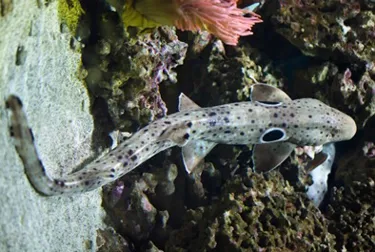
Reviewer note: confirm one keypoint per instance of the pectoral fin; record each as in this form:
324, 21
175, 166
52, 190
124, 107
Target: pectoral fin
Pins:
193, 152
266, 157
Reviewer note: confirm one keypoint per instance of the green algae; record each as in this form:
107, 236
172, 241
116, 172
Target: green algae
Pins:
6, 7
70, 12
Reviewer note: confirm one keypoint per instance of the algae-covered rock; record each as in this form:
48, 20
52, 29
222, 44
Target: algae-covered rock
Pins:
125, 69
352, 216
254, 213
342, 30
223, 74
70, 13
108, 240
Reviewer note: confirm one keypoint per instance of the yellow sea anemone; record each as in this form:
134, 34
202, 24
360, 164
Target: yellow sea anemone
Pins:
220, 17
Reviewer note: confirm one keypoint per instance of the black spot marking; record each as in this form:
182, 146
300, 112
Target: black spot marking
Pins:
130, 152
242, 133
113, 170
212, 114
275, 115
189, 124
125, 164
186, 136
227, 132
145, 130
167, 122
212, 123
292, 115
252, 121
119, 157
87, 183
133, 158
59, 183
194, 131
310, 116
226, 119
250, 110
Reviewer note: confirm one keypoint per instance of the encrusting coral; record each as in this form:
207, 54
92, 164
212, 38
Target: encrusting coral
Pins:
220, 17
251, 215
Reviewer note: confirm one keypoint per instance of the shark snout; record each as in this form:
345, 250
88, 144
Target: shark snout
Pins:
348, 128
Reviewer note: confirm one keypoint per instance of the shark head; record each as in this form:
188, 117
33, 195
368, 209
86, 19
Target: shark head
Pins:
301, 122
311, 122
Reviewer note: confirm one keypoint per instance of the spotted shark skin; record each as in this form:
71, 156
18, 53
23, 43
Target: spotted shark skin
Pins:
272, 121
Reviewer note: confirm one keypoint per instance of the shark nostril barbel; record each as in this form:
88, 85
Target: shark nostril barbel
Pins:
271, 121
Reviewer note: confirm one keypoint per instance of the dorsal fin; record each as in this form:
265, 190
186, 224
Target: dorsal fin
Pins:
185, 103
265, 92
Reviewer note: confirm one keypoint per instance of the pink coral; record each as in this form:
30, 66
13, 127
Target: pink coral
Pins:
220, 17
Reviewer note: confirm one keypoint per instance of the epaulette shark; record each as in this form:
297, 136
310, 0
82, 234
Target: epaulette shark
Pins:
271, 121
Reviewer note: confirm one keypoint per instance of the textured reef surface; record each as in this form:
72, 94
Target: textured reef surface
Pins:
319, 49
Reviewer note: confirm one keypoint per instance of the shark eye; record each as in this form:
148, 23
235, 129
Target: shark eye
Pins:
273, 135
269, 103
